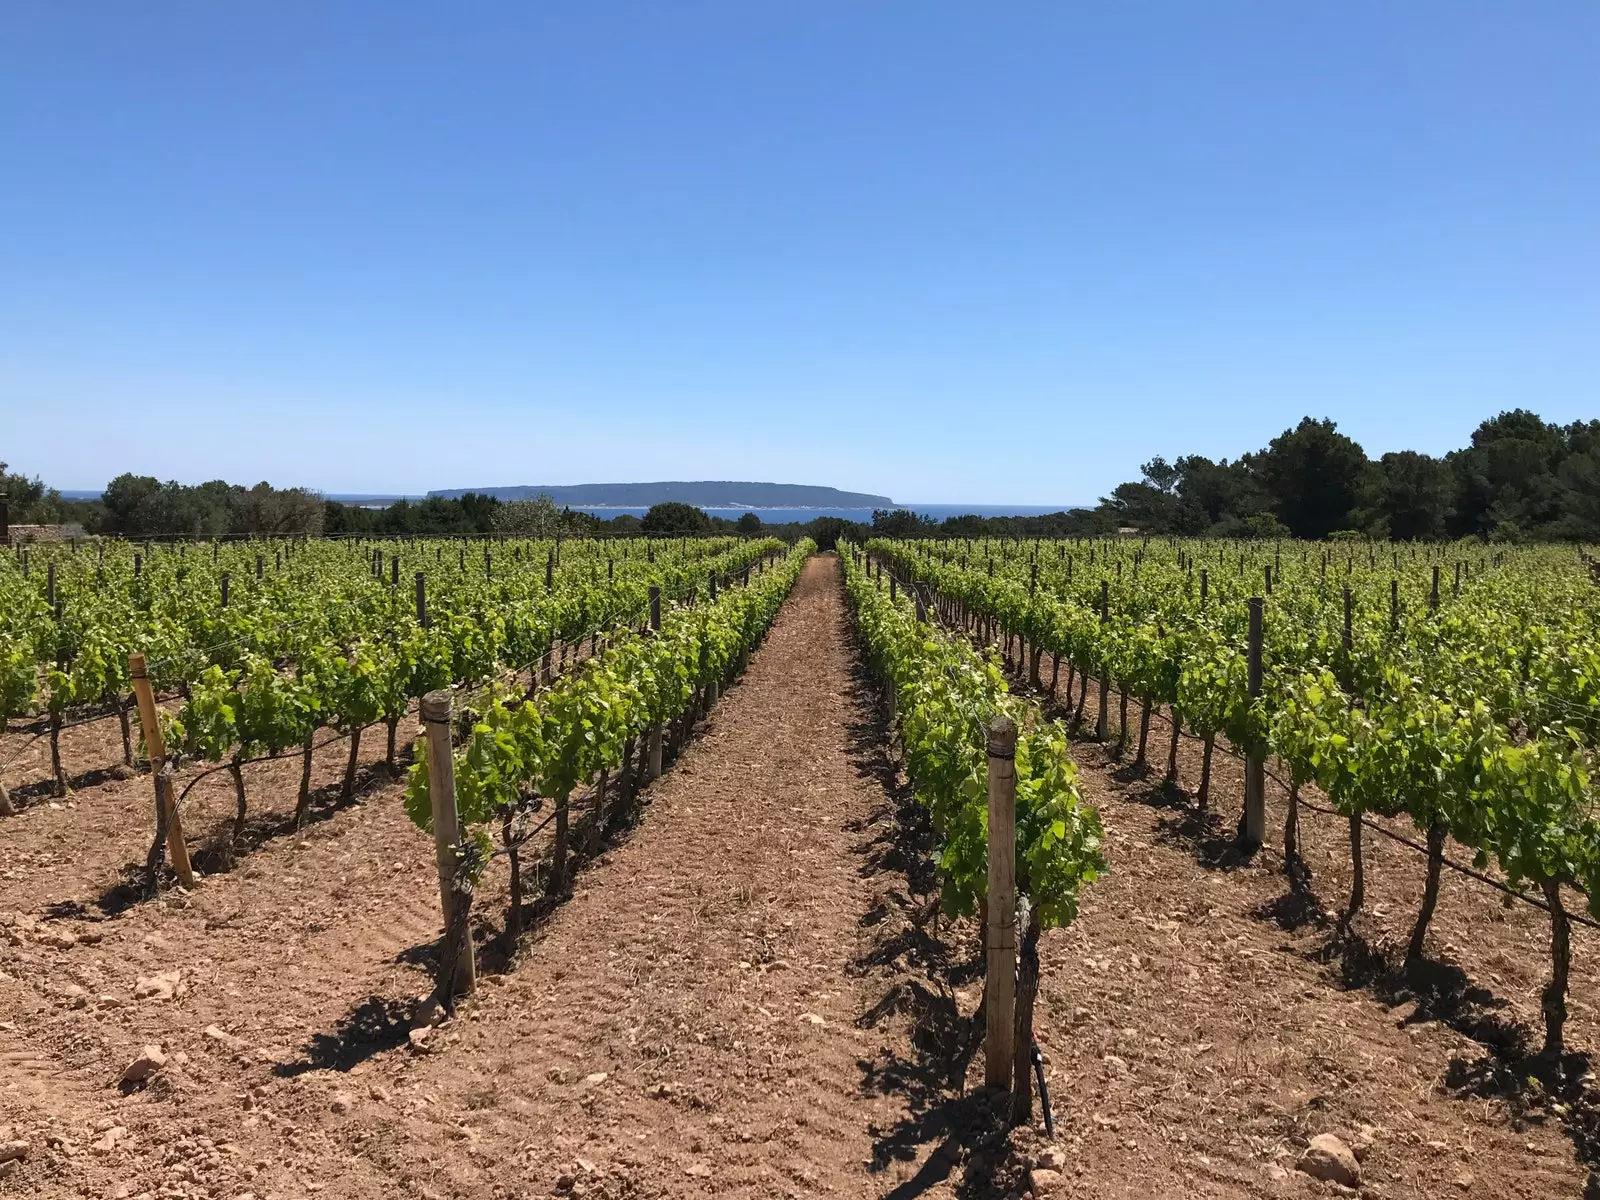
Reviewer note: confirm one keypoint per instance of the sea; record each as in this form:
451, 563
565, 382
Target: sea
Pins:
784, 516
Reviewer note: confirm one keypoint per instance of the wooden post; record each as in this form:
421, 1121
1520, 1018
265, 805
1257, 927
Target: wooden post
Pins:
1394, 606
711, 578
446, 825
550, 571
1433, 596
1205, 584
653, 741
177, 848
1347, 607
1254, 827
227, 577
50, 585
261, 566
1101, 728
422, 600
394, 570
999, 1018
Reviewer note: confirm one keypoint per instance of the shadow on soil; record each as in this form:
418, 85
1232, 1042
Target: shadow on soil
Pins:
42, 791
217, 851
1532, 1088
925, 958
380, 1023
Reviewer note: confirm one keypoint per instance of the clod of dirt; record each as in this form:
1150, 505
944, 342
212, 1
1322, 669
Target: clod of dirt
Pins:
1042, 1182
1329, 1158
13, 1150
341, 1103
150, 1060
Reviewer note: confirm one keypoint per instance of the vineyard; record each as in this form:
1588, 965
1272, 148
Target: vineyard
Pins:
682, 866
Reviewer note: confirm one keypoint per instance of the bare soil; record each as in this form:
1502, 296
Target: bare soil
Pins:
745, 995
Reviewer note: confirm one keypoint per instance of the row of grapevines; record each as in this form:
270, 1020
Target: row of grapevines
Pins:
944, 696
1470, 709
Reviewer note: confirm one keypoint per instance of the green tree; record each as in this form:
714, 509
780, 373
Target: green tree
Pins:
1413, 494
1316, 477
675, 517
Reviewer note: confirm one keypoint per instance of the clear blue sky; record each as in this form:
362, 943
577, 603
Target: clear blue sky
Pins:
949, 252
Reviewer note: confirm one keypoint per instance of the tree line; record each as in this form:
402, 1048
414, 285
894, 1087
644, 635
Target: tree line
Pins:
141, 506
1521, 478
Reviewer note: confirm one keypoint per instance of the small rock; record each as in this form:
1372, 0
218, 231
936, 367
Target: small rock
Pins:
9, 1168
379, 1093
421, 1039
556, 1075
698, 1170
150, 1060
1329, 1158
1051, 1158
1464, 1181
429, 1013
91, 937
162, 986
107, 1142
596, 1078
812, 1018
10, 1151
1277, 1172
1042, 1182
662, 1091
219, 1035
341, 1103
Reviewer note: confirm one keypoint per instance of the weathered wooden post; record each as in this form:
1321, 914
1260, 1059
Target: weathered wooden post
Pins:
422, 600
463, 972
167, 817
227, 578
1254, 827
1001, 981
1100, 727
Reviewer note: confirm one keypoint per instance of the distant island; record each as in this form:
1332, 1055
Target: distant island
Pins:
705, 494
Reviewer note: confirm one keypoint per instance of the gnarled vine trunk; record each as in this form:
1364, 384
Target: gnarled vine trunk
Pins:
1203, 797
1144, 729
236, 769
1172, 750
1430, 891
127, 732
304, 801
1022, 1042
55, 756
1554, 1001
1358, 876
514, 864
349, 787
1291, 826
